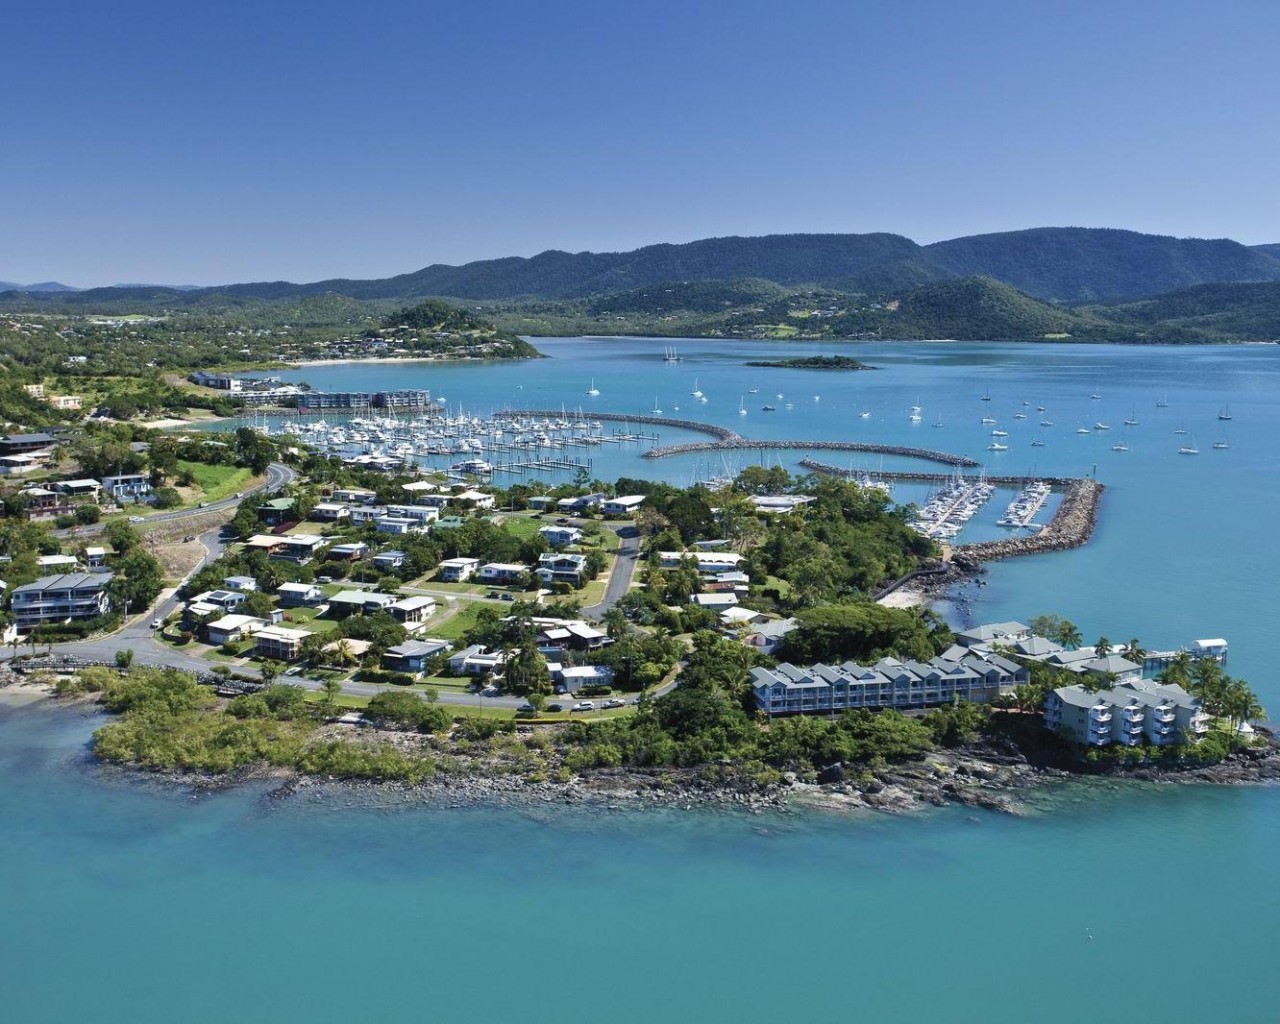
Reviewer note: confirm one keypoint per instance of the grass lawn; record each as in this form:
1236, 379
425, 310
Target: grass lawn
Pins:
522, 525
217, 482
454, 627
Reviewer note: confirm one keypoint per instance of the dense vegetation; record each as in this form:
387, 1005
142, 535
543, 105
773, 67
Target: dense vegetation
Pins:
814, 363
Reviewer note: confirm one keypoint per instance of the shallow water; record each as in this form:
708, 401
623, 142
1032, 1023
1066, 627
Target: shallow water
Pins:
128, 901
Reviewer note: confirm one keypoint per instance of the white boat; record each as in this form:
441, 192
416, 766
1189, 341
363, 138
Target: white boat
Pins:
1037, 443
753, 391
1182, 429
1189, 448
999, 433
1046, 423
768, 408
988, 420
1082, 429
1119, 446
938, 421
1224, 414
1095, 396
1101, 426
1019, 415
656, 411
914, 417
864, 415
670, 355
1132, 421
695, 392
996, 446
986, 395
1162, 403
593, 390
742, 409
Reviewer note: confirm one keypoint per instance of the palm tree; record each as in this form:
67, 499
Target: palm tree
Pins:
1070, 636
1178, 671
332, 688
1134, 652
1103, 647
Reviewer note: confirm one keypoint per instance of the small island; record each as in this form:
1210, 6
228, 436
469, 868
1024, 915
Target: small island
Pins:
814, 363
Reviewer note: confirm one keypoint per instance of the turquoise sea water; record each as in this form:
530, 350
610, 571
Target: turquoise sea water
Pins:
123, 901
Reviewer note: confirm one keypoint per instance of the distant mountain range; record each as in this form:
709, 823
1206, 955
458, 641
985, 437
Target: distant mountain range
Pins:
1063, 265
43, 286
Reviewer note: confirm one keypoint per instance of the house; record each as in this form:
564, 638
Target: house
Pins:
354, 496
389, 559
413, 611
400, 526
349, 552
625, 505
279, 643
738, 582
40, 501
573, 678
765, 636
358, 602
561, 536
58, 563
474, 499
275, 511
244, 583
12, 465
68, 597
779, 504
708, 563
95, 559
476, 660
413, 655
450, 522
583, 504
231, 628
361, 514
27, 444
1130, 714
541, 503
418, 487
127, 486
1008, 633
715, 601
561, 568
502, 572
226, 600
356, 648
738, 616
1113, 667
457, 570
420, 514
297, 595
300, 548
568, 634
78, 488
331, 512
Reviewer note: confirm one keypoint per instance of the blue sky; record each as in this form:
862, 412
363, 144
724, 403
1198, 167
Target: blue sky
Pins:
178, 142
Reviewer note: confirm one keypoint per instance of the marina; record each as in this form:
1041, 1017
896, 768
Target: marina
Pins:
1023, 509
947, 511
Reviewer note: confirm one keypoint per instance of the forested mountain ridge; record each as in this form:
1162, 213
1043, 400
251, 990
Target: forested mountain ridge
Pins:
1068, 265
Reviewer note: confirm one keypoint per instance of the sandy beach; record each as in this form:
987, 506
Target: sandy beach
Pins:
904, 599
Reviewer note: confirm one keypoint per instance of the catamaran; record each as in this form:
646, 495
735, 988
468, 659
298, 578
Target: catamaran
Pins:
996, 446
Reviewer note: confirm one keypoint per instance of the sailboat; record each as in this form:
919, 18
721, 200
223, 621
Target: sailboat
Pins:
1189, 448
938, 421
1182, 428
996, 446
1037, 443
1162, 403
864, 415
593, 390
670, 355
986, 395
1119, 446
742, 409
695, 392
1132, 421
1225, 414
656, 411
1222, 445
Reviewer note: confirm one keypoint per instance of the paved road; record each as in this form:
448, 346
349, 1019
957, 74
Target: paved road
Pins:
278, 476
623, 569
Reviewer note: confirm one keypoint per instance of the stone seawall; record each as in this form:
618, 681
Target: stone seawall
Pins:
741, 444
1071, 527
723, 433
1058, 483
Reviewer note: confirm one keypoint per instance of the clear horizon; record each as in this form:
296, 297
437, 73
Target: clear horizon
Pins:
243, 143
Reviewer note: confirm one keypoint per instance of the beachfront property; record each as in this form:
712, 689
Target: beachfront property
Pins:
413, 656
474, 499
561, 568
57, 563
39, 445
423, 515
623, 505
457, 570
1134, 712
67, 597
561, 536
223, 600
85, 488
890, 683
279, 643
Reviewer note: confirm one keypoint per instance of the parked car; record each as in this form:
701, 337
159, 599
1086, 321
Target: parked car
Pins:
324, 579
555, 707
135, 519
614, 702
157, 623
585, 705
526, 709
204, 504
508, 597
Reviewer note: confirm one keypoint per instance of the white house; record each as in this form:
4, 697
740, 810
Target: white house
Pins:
502, 572
561, 536
624, 505
476, 660
230, 628
331, 511
561, 568
458, 570
294, 595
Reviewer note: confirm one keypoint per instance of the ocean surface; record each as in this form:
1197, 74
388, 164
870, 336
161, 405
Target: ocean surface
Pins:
129, 901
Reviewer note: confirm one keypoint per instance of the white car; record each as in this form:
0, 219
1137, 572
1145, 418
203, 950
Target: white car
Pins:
157, 623
585, 705
615, 703
135, 519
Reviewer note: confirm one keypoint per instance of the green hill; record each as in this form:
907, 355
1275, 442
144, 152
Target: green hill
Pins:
1100, 264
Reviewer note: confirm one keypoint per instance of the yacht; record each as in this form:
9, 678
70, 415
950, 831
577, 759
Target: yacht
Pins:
1182, 429
670, 355
1222, 445
753, 391
1095, 397
1132, 421
695, 392
768, 408
999, 433
1101, 426
1162, 403
593, 390
914, 417
1046, 423
986, 395
1225, 413
864, 415
1019, 415
996, 446
1037, 443
988, 420
655, 411
742, 409
1119, 446
1082, 429
938, 421
1189, 448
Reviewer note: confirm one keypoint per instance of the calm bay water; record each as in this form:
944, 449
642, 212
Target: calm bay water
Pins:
127, 902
